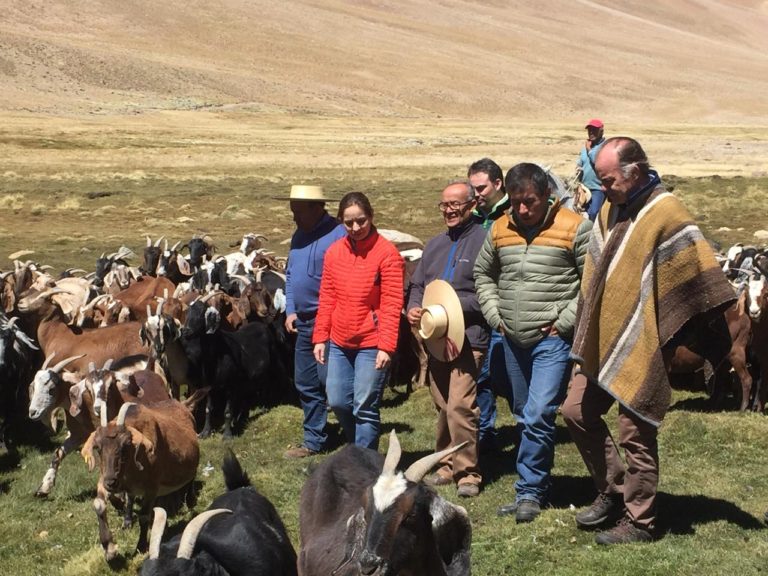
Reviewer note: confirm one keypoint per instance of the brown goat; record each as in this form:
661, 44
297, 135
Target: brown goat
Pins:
148, 452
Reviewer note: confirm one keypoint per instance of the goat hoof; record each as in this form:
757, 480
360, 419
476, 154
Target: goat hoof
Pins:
41, 494
110, 553
204, 434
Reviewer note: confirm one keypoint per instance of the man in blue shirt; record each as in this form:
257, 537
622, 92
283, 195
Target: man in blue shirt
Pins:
316, 230
586, 163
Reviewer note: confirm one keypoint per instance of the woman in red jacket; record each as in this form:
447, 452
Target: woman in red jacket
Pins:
361, 296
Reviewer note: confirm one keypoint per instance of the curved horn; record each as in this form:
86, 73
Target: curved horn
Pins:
47, 360
123, 411
108, 364
175, 246
149, 311
419, 469
191, 532
210, 295
393, 454
157, 244
149, 243
91, 367
156, 534
66, 361
11, 321
103, 416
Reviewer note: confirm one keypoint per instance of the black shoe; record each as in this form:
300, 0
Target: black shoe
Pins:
507, 509
625, 532
605, 507
527, 511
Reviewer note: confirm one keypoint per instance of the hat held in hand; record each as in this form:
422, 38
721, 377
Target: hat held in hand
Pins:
442, 321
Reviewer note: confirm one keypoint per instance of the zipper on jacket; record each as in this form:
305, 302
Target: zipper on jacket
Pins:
517, 292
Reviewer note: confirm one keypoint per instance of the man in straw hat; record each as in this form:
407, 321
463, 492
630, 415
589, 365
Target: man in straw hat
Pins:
443, 303
527, 275
316, 230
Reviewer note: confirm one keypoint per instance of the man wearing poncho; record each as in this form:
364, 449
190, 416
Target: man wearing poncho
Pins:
650, 283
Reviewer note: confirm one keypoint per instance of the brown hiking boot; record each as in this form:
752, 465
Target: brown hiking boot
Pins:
625, 532
605, 507
300, 451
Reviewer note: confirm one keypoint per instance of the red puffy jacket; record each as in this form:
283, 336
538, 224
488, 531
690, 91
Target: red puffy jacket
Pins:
361, 294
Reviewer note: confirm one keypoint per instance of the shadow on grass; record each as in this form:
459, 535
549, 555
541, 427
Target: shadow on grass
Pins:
395, 398
679, 514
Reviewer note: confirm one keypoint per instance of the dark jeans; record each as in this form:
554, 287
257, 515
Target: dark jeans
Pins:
309, 379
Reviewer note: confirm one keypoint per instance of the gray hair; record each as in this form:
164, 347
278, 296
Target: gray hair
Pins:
467, 185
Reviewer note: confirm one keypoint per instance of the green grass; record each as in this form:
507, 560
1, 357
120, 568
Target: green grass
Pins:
714, 486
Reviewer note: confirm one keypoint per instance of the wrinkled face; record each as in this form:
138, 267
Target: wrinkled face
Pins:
356, 222
306, 214
455, 205
594, 134
42, 394
615, 183
487, 192
528, 205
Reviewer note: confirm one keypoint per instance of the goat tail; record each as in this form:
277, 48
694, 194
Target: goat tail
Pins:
234, 476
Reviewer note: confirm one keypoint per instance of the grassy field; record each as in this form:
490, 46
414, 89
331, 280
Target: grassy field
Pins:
71, 195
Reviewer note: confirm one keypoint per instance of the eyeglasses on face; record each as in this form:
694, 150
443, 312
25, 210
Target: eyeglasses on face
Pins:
453, 205
359, 221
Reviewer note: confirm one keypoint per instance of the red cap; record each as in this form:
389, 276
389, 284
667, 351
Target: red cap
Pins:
595, 123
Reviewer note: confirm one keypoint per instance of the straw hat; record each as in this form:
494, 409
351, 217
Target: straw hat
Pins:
442, 321
306, 194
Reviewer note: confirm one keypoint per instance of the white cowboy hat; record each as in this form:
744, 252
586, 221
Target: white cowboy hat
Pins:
442, 321
303, 193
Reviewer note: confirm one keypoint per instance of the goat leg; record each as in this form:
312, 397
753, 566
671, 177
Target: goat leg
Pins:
145, 514
206, 431
228, 419
105, 536
49, 480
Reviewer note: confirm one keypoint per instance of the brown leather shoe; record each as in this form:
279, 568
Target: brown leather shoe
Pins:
605, 507
437, 480
300, 451
625, 532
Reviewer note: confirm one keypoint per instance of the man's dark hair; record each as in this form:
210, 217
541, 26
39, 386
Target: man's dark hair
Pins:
520, 175
488, 166
630, 154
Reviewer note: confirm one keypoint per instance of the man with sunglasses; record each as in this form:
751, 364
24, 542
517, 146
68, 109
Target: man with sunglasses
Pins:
492, 202
450, 256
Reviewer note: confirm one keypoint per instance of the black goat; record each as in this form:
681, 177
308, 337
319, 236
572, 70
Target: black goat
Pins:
243, 368
18, 359
358, 515
240, 534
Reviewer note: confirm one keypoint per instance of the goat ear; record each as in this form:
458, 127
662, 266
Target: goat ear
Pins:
354, 539
76, 398
453, 535
138, 440
183, 265
87, 452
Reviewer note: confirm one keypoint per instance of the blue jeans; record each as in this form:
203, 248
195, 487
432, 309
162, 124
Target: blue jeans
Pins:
309, 379
354, 388
492, 380
593, 208
539, 377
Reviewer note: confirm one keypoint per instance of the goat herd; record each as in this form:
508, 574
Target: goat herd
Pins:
114, 349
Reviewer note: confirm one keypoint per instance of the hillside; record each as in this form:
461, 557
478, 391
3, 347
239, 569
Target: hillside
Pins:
642, 61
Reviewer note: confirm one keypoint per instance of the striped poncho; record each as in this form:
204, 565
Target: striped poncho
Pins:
649, 272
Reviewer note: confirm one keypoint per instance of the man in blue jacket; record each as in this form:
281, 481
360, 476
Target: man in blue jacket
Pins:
586, 163
316, 230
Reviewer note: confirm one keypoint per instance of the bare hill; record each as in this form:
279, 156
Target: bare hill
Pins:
636, 60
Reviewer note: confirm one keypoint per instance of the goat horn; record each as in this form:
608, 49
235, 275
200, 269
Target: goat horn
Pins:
157, 244
156, 534
45, 267
191, 532
419, 469
393, 454
66, 361
11, 322
108, 364
91, 367
124, 410
165, 245
47, 360
103, 416
149, 311
102, 255
175, 246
